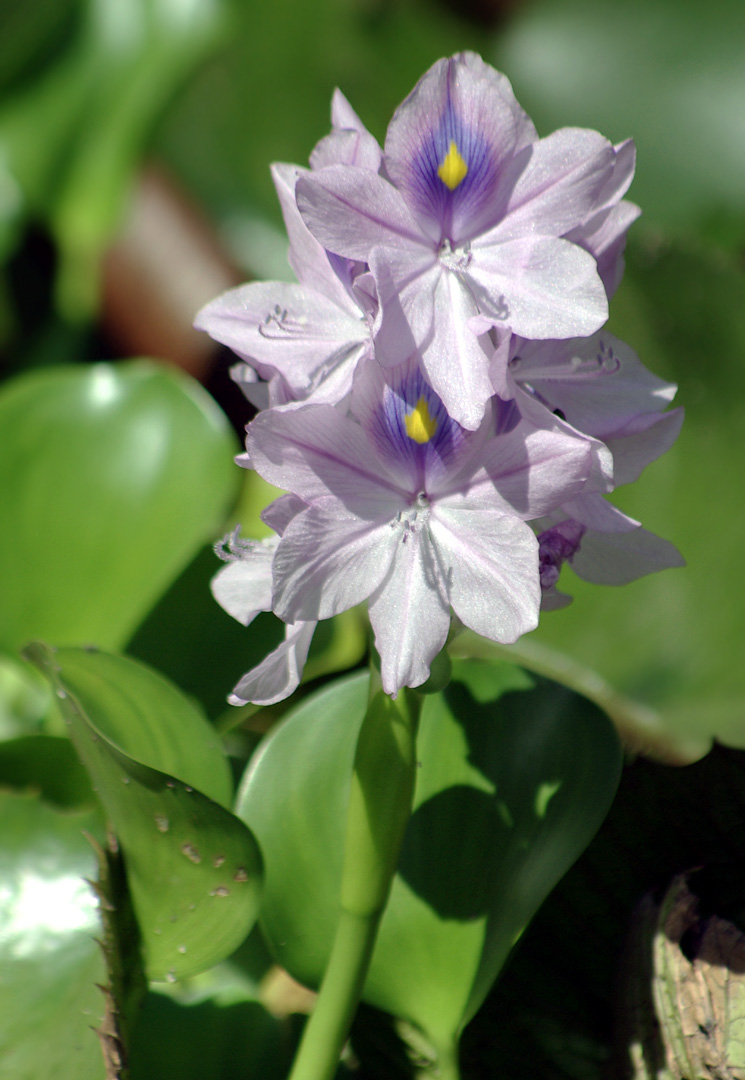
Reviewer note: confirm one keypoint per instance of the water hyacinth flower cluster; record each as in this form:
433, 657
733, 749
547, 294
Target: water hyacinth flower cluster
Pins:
436, 394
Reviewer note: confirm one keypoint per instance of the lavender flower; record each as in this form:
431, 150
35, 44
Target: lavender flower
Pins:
409, 511
302, 340
466, 228
438, 398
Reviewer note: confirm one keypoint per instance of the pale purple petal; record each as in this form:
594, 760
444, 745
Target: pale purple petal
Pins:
604, 236
307, 257
598, 383
490, 563
455, 361
538, 286
243, 588
329, 560
314, 451
280, 513
618, 558
279, 674
254, 388
342, 113
410, 614
294, 330
526, 472
539, 412
560, 186
350, 210
553, 600
634, 450
594, 512
604, 232
350, 143
407, 281
462, 103
619, 181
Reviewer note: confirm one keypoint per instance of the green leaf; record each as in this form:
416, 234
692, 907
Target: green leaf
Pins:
194, 870
111, 478
49, 959
576, 1000
199, 1027
515, 776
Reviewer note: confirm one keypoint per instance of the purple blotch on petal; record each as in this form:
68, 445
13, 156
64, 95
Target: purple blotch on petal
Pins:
556, 546
402, 397
432, 197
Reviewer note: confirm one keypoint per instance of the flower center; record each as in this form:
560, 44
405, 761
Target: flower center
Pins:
454, 258
412, 517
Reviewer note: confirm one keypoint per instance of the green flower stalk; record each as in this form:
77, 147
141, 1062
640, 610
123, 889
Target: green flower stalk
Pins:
379, 808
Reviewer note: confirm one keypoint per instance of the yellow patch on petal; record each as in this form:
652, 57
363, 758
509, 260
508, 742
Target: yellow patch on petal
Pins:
453, 169
420, 426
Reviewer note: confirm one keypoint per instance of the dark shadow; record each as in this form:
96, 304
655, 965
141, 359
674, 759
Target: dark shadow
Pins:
439, 853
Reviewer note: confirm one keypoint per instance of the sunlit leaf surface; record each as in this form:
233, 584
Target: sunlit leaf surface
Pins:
49, 959
111, 478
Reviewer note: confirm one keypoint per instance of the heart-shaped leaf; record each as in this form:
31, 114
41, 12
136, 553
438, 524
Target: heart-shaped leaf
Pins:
193, 868
516, 774
111, 478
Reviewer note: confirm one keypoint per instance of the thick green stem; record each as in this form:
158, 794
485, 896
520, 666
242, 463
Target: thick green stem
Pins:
327, 1030
379, 809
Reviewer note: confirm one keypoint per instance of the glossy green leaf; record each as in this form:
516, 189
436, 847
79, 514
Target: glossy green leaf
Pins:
49, 959
577, 998
111, 478
515, 776
194, 870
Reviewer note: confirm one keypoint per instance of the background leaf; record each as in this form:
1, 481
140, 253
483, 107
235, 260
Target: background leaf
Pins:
111, 478
193, 869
